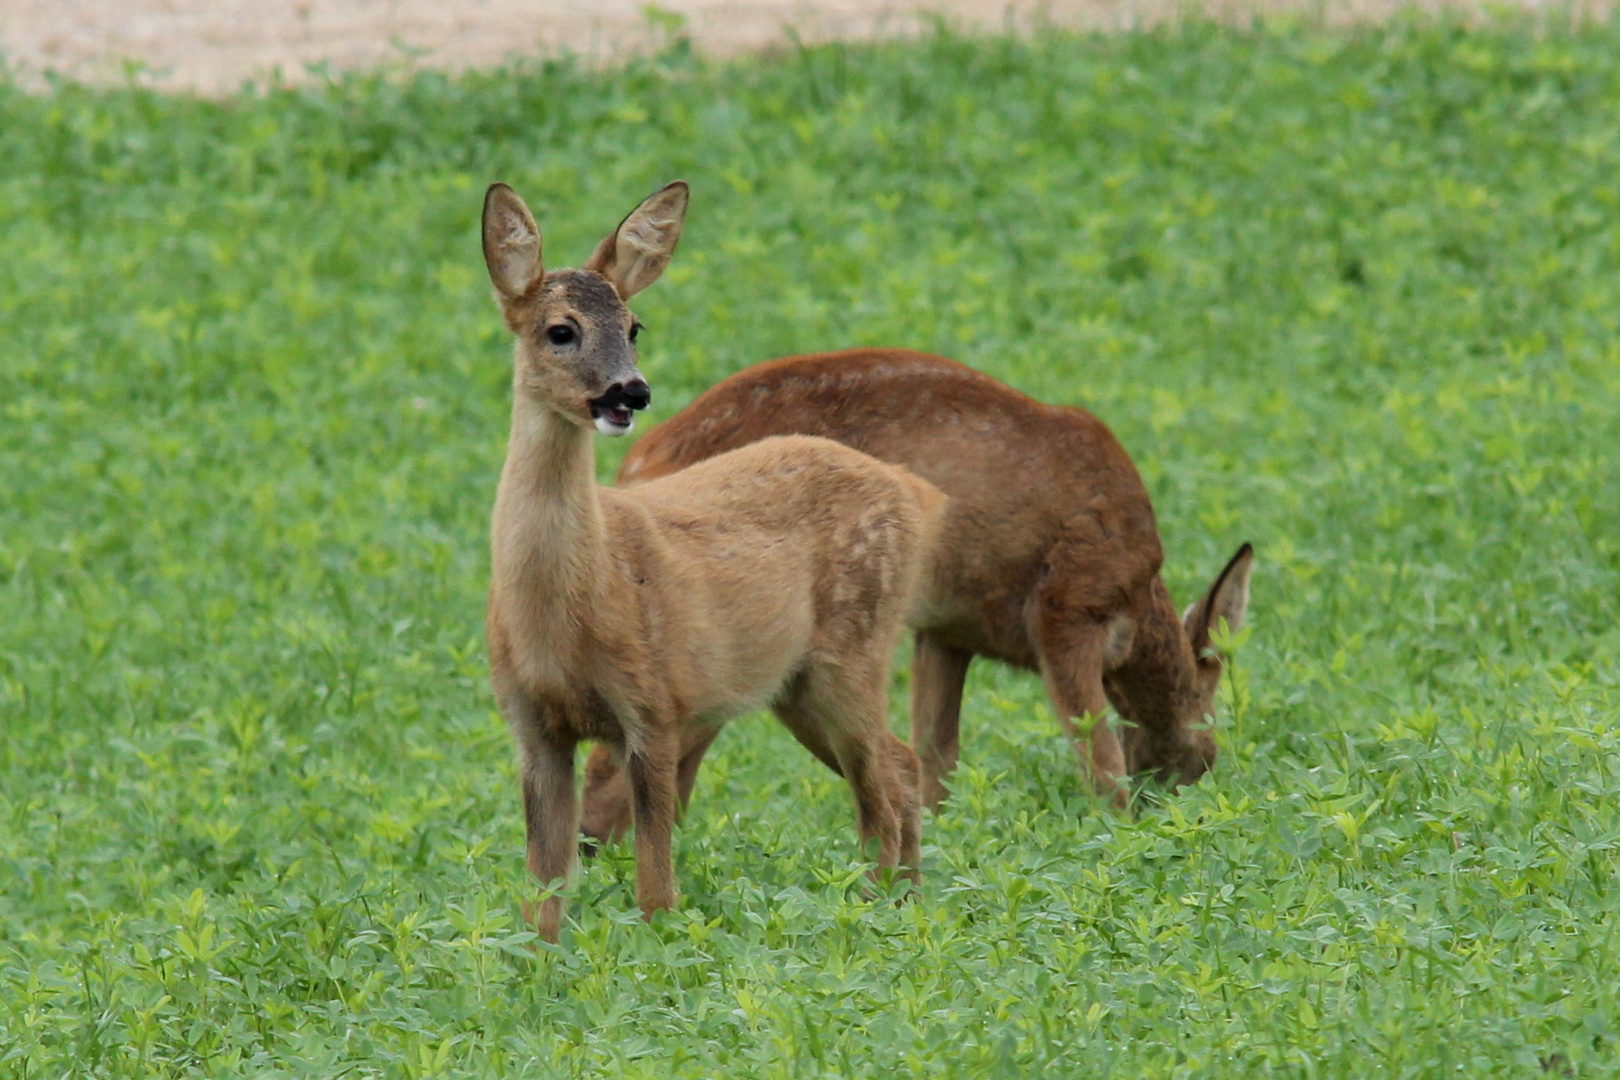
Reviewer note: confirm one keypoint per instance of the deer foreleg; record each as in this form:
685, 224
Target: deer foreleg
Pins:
550, 814
1072, 667
651, 770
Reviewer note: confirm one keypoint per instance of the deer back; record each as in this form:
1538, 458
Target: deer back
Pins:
1027, 482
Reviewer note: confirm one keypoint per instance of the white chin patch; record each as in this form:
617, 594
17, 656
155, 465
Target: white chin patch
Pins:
608, 427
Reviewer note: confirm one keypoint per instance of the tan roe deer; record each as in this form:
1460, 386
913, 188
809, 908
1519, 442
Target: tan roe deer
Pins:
1049, 559
779, 574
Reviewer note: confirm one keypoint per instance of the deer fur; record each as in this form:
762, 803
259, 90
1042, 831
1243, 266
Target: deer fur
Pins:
1049, 559
777, 575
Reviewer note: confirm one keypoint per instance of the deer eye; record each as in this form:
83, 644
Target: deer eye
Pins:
561, 334
635, 331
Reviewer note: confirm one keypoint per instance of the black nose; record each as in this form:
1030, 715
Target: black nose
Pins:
635, 394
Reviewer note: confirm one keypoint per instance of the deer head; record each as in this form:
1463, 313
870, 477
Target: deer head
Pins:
576, 338
1165, 686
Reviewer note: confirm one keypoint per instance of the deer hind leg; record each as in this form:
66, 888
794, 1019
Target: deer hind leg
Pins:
651, 769
1071, 662
840, 714
605, 811
607, 815
909, 806
937, 674
549, 816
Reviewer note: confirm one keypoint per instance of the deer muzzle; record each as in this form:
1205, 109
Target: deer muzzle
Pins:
614, 412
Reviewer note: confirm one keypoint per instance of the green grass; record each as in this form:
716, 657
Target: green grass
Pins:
1354, 296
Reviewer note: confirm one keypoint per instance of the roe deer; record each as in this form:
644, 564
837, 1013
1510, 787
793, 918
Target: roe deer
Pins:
778, 575
1049, 559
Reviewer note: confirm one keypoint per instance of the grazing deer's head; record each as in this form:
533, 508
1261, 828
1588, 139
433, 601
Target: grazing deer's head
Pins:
1168, 734
576, 339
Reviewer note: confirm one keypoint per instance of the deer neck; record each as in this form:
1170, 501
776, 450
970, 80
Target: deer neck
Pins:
549, 536
1158, 677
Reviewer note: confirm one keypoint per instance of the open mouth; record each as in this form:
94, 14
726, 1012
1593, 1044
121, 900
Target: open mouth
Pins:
615, 411
612, 419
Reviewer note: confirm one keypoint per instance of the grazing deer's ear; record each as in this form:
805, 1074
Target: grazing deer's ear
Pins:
633, 255
1227, 599
511, 244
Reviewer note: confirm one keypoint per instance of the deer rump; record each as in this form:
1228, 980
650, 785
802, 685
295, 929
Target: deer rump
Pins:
1049, 559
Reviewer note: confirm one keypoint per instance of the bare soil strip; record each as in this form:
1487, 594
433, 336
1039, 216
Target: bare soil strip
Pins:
214, 46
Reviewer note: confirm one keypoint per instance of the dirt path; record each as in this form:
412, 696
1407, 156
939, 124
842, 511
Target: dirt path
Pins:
214, 45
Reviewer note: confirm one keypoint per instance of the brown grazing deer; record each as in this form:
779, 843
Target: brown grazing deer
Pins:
1049, 559
780, 574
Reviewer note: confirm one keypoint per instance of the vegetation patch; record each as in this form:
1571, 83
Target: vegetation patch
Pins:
1351, 295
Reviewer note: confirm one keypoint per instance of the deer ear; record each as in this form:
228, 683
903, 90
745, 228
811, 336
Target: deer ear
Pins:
634, 254
1227, 599
511, 244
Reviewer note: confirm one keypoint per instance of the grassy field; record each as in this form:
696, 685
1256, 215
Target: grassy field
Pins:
1352, 296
